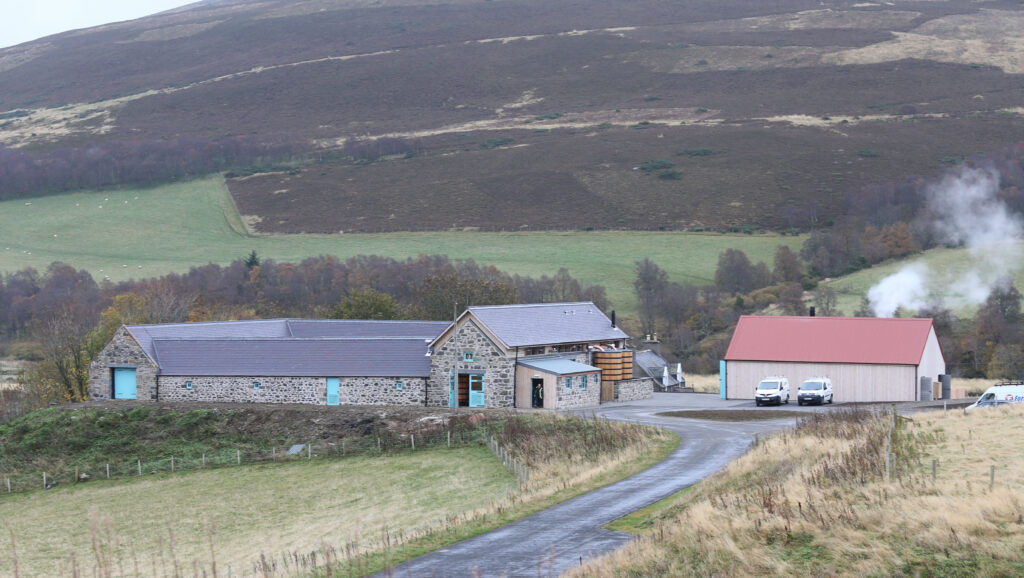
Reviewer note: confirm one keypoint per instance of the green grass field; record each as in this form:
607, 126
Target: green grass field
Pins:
247, 511
145, 233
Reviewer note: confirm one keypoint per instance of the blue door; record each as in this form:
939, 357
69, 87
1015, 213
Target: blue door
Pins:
333, 394
476, 390
124, 383
721, 378
452, 390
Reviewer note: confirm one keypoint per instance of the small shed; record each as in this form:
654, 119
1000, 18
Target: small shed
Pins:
557, 383
868, 359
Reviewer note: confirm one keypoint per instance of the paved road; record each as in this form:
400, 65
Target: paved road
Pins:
553, 540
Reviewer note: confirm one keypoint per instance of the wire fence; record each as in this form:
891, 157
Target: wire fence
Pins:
381, 443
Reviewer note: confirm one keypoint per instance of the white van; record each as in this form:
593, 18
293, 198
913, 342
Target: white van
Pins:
1001, 394
815, 390
772, 390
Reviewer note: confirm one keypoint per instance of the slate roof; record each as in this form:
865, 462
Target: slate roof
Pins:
283, 328
653, 365
830, 340
263, 328
559, 366
351, 328
325, 357
547, 323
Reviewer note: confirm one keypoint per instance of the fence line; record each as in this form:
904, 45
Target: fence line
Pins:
381, 444
518, 469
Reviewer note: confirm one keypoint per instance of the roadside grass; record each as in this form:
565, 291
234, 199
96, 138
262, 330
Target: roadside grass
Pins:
735, 414
141, 233
561, 470
819, 503
363, 513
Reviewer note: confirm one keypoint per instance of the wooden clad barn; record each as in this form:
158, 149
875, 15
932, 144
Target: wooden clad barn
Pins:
868, 359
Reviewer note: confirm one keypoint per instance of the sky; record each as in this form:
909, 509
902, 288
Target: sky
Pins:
25, 20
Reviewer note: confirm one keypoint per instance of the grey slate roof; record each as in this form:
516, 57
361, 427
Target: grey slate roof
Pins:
547, 323
145, 334
559, 366
352, 328
325, 357
653, 365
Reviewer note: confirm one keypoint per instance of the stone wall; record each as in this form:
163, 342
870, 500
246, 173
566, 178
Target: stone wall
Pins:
382, 390
312, 390
122, 351
576, 396
488, 359
630, 389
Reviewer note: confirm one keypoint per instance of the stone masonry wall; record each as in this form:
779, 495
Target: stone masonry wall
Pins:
576, 396
382, 390
122, 351
488, 359
312, 390
630, 389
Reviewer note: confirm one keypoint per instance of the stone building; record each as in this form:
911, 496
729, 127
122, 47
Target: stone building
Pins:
499, 356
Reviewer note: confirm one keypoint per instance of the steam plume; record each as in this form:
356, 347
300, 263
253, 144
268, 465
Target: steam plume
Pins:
965, 211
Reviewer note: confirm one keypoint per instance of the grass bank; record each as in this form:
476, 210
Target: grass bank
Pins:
819, 503
137, 233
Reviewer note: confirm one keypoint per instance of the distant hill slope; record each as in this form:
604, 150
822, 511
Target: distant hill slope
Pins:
527, 114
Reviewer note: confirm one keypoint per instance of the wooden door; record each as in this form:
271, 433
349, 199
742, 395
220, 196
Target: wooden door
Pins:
124, 383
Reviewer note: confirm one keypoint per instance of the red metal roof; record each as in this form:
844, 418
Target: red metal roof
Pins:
830, 340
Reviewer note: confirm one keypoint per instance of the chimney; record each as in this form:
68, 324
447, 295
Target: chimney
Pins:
812, 310
613, 318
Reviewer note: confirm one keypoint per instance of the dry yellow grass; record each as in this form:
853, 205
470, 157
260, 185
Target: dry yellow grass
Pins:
819, 504
703, 383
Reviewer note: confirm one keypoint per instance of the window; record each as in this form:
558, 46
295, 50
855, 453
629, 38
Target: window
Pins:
568, 382
583, 382
188, 385
467, 356
534, 351
255, 385
398, 385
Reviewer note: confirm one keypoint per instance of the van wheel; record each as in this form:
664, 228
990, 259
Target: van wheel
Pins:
757, 402
787, 399
798, 402
830, 398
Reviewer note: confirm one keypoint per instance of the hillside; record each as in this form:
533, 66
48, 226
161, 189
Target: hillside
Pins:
522, 114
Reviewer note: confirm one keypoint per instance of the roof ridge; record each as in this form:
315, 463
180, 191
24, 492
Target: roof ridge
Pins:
279, 339
523, 305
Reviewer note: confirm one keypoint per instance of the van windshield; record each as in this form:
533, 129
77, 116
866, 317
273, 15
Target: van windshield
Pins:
811, 385
768, 385
987, 396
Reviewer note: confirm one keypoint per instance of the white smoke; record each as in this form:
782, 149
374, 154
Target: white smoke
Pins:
966, 211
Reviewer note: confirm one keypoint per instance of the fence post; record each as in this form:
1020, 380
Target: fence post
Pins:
934, 464
449, 438
343, 447
8, 485
204, 460
140, 467
238, 457
991, 477
309, 451
172, 463
108, 471
273, 452
378, 444
412, 438
44, 480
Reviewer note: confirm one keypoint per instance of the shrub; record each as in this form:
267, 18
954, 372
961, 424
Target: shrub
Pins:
656, 165
671, 175
549, 116
641, 124
701, 152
